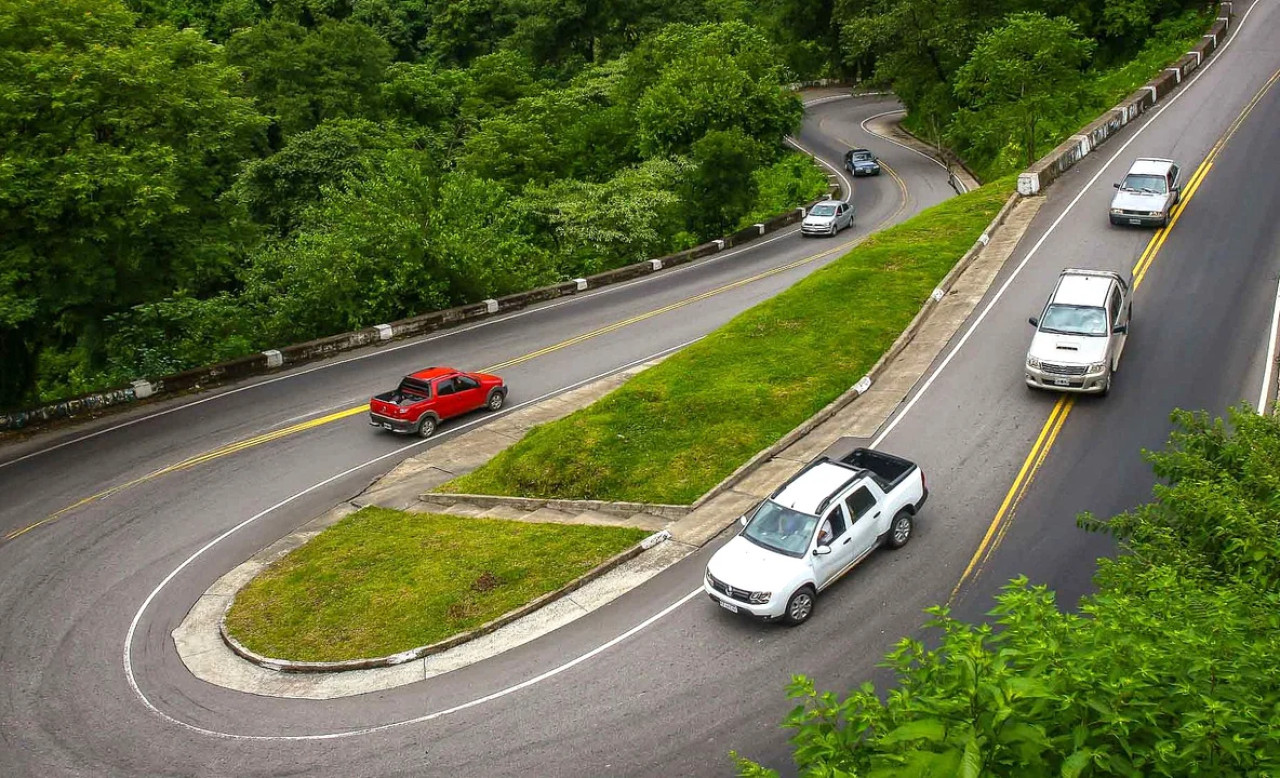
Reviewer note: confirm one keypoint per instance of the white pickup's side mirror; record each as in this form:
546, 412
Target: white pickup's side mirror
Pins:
743, 519
822, 550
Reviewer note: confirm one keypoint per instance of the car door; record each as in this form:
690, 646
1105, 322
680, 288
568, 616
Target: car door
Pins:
1118, 312
826, 567
864, 514
468, 392
1175, 185
446, 404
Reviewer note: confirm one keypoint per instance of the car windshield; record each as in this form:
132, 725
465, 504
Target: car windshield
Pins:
862, 156
1145, 183
823, 210
781, 529
1074, 320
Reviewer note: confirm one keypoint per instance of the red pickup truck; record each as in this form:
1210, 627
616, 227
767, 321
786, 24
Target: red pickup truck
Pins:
428, 397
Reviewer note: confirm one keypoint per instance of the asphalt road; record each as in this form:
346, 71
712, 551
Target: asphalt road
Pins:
72, 580
676, 695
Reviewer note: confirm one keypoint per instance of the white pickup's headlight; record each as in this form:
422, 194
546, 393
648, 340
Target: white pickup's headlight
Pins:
1032, 362
760, 598
1116, 211
1098, 367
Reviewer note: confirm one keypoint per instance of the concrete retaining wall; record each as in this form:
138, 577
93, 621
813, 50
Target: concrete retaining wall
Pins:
1077, 147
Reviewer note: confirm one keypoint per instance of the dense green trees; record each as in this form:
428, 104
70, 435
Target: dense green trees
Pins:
1170, 669
187, 180
1001, 80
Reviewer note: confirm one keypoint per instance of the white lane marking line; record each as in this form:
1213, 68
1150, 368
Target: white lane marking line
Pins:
1012, 276
1265, 396
137, 617
929, 157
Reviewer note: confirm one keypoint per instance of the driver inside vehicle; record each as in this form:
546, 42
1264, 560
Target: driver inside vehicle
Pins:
824, 534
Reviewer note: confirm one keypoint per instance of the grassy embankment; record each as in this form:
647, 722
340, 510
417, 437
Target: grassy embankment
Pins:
382, 581
671, 433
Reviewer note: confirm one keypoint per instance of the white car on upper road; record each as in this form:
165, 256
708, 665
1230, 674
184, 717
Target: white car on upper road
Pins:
1147, 194
812, 530
827, 218
1081, 333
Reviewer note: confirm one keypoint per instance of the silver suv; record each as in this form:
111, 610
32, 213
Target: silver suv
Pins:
1081, 333
1147, 194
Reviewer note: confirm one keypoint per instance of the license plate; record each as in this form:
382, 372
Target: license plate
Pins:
728, 606
386, 426
1061, 382
1135, 221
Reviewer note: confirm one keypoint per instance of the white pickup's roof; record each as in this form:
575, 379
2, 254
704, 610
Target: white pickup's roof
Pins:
811, 487
1079, 289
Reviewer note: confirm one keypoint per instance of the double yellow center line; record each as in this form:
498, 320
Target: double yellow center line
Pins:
999, 525
267, 437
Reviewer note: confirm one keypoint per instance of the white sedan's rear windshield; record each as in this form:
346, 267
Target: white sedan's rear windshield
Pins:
781, 529
1074, 320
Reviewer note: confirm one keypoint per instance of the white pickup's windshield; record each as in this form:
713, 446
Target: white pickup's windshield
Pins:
781, 529
1145, 183
1074, 320
823, 210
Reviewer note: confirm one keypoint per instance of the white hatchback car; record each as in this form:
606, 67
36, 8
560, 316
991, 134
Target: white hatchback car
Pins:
1081, 333
1147, 194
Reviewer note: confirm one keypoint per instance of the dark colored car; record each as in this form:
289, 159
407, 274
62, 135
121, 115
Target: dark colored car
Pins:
861, 162
428, 397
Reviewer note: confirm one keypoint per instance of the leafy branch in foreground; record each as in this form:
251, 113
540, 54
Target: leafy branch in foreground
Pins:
1169, 669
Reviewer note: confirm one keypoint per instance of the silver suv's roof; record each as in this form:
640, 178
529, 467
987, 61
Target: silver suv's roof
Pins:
1083, 287
1151, 166
810, 488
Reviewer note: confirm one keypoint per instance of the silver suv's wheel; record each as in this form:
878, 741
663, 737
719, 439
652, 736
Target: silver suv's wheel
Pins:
800, 606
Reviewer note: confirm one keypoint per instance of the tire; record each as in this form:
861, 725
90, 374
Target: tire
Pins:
800, 606
901, 529
495, 401
427, 427
1106, 388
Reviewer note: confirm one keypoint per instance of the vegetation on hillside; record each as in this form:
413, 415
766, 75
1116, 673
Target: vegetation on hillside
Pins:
1169, 669
184, 181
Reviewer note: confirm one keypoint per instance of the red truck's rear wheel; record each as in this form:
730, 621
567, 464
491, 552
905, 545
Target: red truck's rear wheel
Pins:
427, 427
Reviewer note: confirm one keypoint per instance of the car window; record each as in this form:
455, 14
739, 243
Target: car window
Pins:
1173, 173
859, 502
833, 526
1117, 303
1152, 184
862, 156
445, 387
781, 529
465, 382
823, 210
1074, 320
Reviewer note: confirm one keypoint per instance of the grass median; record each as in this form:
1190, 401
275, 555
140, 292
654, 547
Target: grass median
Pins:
381, 581
674, 431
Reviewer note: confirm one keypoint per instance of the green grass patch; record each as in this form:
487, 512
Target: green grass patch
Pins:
382, 581
674, 431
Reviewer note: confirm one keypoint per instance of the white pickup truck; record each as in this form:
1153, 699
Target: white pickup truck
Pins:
812, 530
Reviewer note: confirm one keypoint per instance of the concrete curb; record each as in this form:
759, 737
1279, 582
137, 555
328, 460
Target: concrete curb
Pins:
620, 509
391, 660
866, 382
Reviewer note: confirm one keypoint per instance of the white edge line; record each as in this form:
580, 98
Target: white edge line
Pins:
1009, 281
1263, 398
137, 618
844, 182
931, 158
